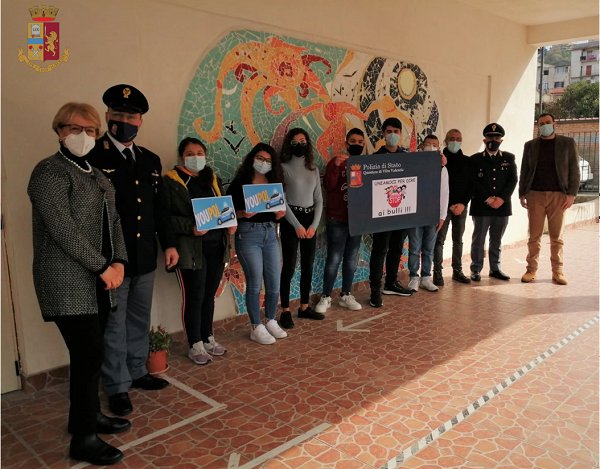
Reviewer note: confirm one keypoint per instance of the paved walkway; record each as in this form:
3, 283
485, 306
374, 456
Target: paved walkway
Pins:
399, 393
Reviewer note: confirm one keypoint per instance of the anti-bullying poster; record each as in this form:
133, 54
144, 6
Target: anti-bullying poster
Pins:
264, 198
393, 191
214, 212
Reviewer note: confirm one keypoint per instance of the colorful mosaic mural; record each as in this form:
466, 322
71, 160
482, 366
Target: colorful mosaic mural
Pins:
253, 86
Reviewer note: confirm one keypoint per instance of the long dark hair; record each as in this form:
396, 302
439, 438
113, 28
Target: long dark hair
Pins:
205, 177
286, 149
246, 171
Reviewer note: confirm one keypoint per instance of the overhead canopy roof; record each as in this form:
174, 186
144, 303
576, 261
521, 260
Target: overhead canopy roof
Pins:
548, 21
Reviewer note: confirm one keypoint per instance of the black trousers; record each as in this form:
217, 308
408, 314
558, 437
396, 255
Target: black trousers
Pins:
289, 252
458, 229
198, 290
84, 337
387, 246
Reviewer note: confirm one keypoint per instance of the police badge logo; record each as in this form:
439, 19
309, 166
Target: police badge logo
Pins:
355, 176
43, 39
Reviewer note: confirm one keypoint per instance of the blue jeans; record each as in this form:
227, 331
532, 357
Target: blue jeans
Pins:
421, 242
340, 244
257, 249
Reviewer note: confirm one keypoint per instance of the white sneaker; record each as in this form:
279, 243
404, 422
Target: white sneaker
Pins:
427, 284
199, 355
324, 304
413, 285
261, 335
275, 330
213, 347
348, 301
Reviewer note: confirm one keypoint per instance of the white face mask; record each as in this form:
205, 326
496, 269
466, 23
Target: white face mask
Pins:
80, 144
194, 163
430, 148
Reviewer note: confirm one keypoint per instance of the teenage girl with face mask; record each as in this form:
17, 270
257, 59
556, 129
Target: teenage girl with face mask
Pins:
202, 254
256, 242
304, 207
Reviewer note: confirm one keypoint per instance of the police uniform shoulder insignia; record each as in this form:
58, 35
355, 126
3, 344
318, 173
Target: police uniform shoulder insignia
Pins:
106, 145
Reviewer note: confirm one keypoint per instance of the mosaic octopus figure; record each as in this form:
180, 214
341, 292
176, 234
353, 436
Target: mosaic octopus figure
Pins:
278, 69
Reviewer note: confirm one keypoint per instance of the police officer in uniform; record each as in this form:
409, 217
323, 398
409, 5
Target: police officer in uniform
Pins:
494, 180
135, 172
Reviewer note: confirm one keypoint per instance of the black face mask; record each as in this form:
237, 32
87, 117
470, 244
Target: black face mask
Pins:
492, 145
355, 150
299, 150
123, 132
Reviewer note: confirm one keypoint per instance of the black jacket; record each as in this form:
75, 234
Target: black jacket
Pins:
459, 176
138, 200
492, 176
181, 212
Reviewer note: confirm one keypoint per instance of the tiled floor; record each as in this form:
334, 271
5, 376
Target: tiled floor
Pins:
343, 399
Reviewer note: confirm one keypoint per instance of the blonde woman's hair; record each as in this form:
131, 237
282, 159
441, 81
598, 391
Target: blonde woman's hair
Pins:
65, 113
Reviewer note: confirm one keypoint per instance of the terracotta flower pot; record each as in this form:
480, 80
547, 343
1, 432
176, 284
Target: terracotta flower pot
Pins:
157, 362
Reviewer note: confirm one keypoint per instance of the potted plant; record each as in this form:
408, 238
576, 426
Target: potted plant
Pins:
160, 341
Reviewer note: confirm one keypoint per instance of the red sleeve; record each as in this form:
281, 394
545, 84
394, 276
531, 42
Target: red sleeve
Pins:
332, 175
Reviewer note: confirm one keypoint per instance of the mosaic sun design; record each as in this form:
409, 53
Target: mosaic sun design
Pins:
324, 89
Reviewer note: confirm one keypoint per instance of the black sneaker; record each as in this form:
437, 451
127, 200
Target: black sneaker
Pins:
460, 277
395, 289
285, 320
438, 279
375, 301
309, 313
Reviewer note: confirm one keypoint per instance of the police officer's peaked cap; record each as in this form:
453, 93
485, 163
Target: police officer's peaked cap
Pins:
493, 129
125, 98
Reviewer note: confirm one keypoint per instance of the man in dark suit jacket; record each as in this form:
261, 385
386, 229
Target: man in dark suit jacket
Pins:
494, 179
547, 187
135, 172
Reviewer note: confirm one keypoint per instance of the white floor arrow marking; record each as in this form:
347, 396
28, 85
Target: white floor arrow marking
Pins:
350, 328
234, 459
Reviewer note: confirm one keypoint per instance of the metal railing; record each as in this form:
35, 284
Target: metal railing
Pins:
588, 149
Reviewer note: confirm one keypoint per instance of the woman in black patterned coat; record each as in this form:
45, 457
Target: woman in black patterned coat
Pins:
78, 260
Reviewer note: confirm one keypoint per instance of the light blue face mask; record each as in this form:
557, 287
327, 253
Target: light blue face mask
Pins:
194, 163
261, 167
546, 130
453, 147
392, 140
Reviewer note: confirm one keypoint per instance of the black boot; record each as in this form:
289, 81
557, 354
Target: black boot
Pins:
460, 277
111, 425
438, 279
93, 450
309, 313
285, 320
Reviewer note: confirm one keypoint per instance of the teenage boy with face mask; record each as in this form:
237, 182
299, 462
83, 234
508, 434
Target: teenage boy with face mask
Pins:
459, 176
394, 240
339, 242
494, 176
547, 188
135, 172
421, 239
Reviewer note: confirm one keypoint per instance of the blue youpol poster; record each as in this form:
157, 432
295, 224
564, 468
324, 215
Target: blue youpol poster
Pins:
214, 212
264, 198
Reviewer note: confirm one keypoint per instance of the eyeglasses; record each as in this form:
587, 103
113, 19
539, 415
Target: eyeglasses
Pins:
262, 159
295, 143
76, 129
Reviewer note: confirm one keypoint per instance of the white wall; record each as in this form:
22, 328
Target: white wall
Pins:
480, 66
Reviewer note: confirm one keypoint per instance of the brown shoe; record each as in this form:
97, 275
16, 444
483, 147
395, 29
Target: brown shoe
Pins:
528, 276
559, 278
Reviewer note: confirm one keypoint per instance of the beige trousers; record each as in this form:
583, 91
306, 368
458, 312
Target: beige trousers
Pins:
539, 206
